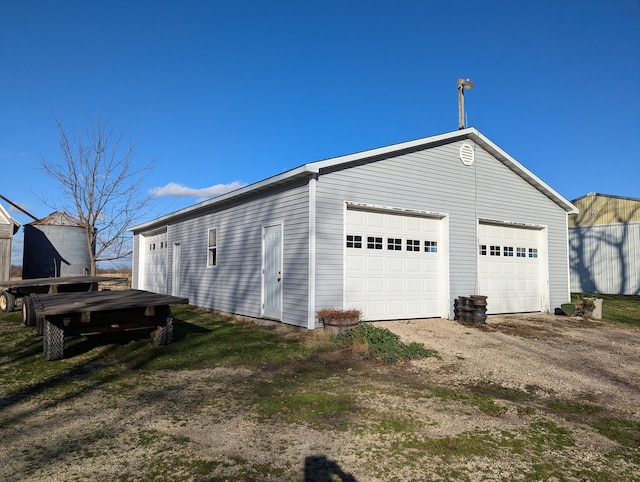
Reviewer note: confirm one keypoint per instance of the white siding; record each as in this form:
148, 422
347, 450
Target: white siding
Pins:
605, 258
234, 284
436, 180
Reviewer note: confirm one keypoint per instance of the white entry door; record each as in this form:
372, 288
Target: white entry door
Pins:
155, 263
510, 268
272, 272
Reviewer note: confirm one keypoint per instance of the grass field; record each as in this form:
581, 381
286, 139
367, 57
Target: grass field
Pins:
617, 308
284, 380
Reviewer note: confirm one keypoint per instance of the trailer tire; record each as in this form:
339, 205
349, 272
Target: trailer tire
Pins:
7, 302
53, 341
163, 334
28, 311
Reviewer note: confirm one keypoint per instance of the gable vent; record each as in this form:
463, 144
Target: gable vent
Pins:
467, 155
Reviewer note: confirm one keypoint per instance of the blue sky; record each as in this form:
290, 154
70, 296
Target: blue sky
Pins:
225, 93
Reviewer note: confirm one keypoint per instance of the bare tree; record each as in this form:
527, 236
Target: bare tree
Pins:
99, 184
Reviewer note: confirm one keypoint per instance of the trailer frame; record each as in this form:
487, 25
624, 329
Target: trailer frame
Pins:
96, 312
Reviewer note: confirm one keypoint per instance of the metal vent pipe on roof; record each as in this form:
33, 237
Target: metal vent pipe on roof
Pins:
462, 86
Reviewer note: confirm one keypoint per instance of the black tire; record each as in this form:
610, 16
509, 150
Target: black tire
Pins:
53, 341
163, 334
28, 311
7, 302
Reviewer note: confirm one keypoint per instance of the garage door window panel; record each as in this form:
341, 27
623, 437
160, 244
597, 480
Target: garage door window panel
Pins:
374, 242
413, 245
394, 244
354, 241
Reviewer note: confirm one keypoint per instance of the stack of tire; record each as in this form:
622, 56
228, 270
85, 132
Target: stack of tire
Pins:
471, 309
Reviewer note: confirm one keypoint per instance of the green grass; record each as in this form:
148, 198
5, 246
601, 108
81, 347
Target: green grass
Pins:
381, 344
297, 378
616, 308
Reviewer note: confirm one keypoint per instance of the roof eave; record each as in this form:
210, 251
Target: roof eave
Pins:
288, 176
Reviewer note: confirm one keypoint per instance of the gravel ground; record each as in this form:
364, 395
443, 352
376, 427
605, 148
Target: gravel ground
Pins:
196, 425
563, 357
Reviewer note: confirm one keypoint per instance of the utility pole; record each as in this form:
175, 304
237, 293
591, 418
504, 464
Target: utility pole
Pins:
462, 86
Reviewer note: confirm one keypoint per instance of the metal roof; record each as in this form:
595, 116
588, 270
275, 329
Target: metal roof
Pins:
57, 219
613, 196
309, 169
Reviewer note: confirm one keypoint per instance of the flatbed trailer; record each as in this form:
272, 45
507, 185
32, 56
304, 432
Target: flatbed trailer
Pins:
16, 293
95, 312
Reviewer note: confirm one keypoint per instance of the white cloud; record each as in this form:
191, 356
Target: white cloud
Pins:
174, 189
9, 155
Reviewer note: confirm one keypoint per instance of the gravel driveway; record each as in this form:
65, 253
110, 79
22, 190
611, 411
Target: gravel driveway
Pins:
566, 357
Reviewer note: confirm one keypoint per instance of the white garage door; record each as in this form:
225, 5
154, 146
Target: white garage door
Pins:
510, 268
393, 265
155, 263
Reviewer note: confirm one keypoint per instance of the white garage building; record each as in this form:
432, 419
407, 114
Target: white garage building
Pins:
398, 232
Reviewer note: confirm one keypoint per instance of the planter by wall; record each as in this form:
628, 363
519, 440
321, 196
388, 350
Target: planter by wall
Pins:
339, 321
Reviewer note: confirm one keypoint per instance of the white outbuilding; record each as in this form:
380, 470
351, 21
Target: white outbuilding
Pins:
398, 232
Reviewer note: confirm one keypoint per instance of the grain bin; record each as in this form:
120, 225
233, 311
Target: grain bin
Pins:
55, 246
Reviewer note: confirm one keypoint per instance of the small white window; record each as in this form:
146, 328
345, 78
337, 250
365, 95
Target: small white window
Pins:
533, 252
374, 242
212, 257
494, 250
521, 252
413, 245
394, 244
431, 246
508, 251
354, 241
483, 250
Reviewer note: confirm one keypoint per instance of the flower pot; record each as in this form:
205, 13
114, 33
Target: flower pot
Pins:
335, 326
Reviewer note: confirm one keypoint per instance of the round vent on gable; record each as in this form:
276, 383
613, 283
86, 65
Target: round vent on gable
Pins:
467, 155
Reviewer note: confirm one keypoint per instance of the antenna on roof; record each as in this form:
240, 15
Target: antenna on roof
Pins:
462, 86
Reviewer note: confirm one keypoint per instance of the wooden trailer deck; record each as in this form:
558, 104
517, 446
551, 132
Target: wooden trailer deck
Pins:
90, 301
14, 293
93, 312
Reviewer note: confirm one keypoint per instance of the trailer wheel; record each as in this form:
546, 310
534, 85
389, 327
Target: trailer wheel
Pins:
163, 334
7, 302
28, 311
53, 341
